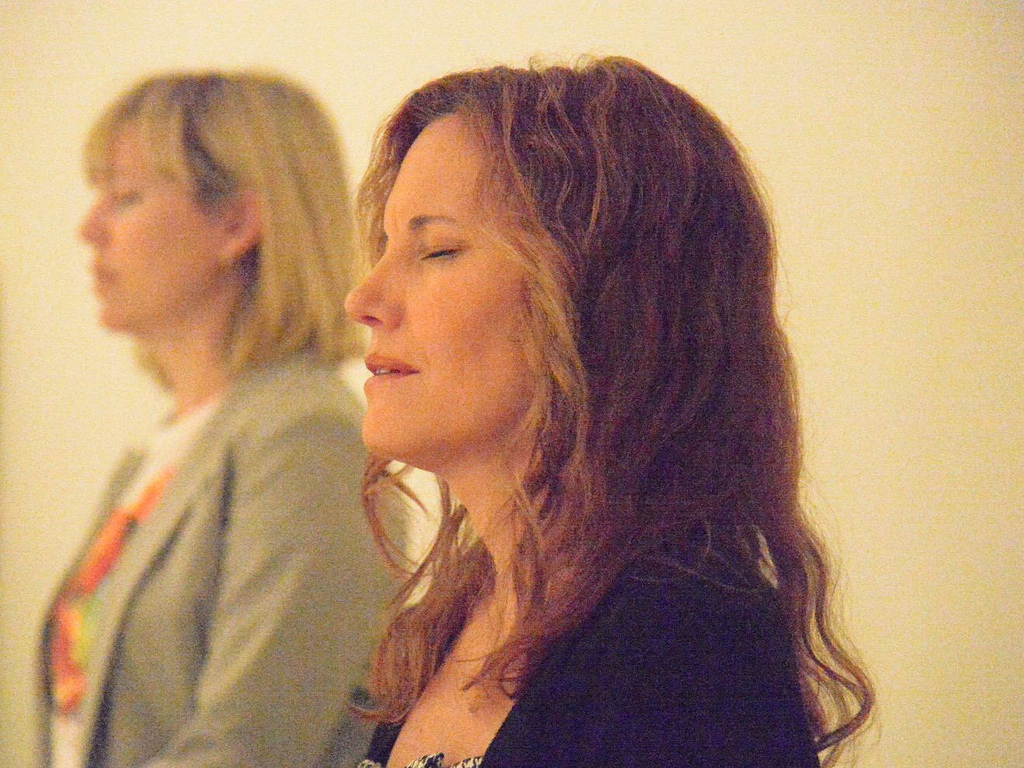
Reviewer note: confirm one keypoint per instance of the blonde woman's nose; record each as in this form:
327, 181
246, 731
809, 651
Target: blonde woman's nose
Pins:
92, 227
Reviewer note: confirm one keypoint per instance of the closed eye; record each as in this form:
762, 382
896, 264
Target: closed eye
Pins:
445, 253
124, 199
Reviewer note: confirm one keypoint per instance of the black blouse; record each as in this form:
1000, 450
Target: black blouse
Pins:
671, 669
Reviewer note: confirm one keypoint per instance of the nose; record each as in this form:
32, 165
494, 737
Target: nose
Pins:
365, 303
91, 229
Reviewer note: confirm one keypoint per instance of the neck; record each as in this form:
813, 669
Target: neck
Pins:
194, 365
486, 481
489, 500
194, 376
191, 350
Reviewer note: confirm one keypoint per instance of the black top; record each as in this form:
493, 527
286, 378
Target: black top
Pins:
669, 670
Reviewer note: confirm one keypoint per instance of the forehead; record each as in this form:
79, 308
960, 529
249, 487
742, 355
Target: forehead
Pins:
122, 154
127, 152
135, 145
440, 176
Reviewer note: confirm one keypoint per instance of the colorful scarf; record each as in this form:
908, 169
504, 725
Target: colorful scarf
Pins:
74, 616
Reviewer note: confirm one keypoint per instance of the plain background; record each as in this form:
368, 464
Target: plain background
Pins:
890, 136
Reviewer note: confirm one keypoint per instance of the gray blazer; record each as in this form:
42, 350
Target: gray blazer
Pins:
241, 614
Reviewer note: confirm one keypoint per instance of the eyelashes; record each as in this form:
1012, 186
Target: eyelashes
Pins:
124, 199
442, 253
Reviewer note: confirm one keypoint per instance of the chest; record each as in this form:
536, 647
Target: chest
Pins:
452, 718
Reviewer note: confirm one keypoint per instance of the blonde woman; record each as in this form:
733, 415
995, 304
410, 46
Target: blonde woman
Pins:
572, 322
222, 611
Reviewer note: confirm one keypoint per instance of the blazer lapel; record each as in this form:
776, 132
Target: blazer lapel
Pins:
141, 551
122, 476
200, 465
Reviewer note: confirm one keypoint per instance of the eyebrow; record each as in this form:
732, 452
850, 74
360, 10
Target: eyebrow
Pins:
416, 223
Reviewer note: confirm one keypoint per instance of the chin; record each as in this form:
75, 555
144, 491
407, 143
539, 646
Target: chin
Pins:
112, 322
380, 442
384, 443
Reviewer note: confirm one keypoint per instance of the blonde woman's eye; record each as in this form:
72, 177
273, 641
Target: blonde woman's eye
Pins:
124, 199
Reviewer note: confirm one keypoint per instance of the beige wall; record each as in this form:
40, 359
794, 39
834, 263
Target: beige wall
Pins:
891, 136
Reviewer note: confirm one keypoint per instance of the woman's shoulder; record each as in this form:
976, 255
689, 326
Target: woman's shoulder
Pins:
267, 399
296, 381
675, 605
672, 639
673, 664
281, 407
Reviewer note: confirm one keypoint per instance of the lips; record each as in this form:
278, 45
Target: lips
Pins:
379, 365
102, 277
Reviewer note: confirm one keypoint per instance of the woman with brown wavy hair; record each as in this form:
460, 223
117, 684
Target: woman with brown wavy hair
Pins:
573, 326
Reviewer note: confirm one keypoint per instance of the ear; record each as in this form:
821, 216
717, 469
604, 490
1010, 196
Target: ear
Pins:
242, 226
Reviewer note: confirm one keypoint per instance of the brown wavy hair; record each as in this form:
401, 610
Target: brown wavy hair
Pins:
665, 418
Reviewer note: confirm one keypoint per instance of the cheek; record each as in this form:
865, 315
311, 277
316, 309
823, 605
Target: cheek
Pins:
142, 245
494, 362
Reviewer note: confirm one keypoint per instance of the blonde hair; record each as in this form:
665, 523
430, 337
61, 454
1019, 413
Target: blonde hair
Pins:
221, 134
